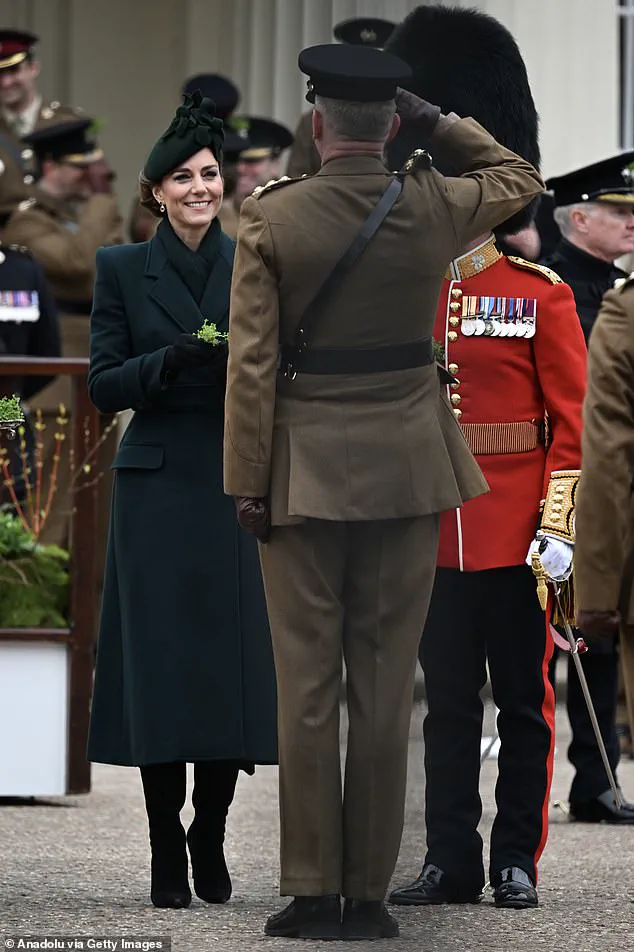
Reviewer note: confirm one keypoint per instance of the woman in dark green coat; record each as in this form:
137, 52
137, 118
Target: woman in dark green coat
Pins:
184, 665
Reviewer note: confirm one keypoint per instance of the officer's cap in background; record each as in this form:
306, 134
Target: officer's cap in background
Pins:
69, 142
352, 73
15, 46
194, 127
467, 62
224, 93
611, 180
364, 31
259, 138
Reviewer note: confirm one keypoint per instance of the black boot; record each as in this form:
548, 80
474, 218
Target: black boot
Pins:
164, 787
214, 786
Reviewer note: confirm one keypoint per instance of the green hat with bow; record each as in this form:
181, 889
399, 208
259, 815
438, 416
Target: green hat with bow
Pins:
194, 127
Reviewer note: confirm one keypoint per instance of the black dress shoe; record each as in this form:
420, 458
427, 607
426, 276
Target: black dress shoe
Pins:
513, 889
602, 809
433, 888
307, 917
364, 919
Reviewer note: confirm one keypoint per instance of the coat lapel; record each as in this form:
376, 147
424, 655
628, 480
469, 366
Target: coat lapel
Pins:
174, 298
169, 292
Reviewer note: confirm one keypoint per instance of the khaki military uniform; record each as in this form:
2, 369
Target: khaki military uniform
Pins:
357, 468
604, 552
13, 129
303, 158
64, 241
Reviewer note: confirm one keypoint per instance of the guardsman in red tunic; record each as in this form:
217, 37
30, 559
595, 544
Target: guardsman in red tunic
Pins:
513, 344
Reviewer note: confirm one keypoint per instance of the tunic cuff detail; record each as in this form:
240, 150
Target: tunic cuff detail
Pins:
558, 516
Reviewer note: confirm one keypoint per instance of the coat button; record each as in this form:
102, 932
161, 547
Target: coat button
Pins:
453, 369
454, 306
457, 413
456, 293
454, 386
452, 337
456, 399
454, 321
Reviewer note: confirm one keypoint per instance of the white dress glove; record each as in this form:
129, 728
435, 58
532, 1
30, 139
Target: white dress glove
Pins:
556, 557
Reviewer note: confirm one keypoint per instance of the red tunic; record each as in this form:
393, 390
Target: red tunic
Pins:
506, 379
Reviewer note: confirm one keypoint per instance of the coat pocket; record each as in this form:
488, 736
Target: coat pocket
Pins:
139, 456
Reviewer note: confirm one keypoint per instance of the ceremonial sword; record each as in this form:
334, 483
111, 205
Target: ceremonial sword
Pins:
577, 647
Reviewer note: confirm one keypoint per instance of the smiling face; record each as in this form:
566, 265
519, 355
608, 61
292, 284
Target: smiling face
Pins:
192, 193
18, 85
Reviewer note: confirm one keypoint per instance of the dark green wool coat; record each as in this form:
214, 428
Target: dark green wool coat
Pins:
184, 664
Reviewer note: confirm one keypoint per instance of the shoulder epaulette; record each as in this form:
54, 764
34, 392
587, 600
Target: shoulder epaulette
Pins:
622, 283
26, 204
419, 159
274, 183
545, 272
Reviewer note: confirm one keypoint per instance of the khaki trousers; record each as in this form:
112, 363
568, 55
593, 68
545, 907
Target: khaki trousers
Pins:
358, 591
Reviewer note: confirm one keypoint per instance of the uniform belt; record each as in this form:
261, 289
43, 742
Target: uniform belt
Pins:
490, 439
353, 360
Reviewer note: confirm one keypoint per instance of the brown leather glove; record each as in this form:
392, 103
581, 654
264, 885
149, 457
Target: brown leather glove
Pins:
254, 516
598, 624
411, 107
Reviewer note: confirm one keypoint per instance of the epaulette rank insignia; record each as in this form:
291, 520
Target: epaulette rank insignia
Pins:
622, 283
546, 273
26, 204
274, 183
419, 159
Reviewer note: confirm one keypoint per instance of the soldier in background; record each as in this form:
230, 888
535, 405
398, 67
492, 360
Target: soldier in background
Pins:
257, 145
226, 95
360, 31
71, 213
22, 108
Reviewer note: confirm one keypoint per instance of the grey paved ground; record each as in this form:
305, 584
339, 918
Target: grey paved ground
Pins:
80, 865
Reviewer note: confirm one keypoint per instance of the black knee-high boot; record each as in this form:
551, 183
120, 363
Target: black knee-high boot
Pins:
164, 787
214, 786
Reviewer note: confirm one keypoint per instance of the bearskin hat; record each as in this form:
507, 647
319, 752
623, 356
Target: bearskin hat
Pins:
467, 62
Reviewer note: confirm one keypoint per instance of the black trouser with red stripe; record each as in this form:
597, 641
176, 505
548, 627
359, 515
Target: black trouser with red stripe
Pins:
477, 617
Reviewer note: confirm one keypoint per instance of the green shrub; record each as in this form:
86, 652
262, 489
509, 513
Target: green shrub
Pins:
34, 579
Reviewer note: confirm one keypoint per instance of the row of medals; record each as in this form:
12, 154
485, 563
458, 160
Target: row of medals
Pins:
480, 326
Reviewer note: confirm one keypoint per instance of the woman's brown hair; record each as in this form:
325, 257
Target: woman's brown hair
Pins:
146, 196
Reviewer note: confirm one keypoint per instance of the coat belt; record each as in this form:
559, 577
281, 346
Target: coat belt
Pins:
353, 360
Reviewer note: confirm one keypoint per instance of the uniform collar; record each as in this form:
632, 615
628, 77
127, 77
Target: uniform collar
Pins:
354, 165
474, 261
25, 120
589, 264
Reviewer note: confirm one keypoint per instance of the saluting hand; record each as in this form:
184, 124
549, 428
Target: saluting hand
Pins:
411, 107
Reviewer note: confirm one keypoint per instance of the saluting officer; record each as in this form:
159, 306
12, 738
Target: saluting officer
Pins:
71, 213
372, 32
351, 451
514, 346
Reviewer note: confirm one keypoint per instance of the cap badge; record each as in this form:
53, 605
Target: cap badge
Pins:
627, 174
368, 36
